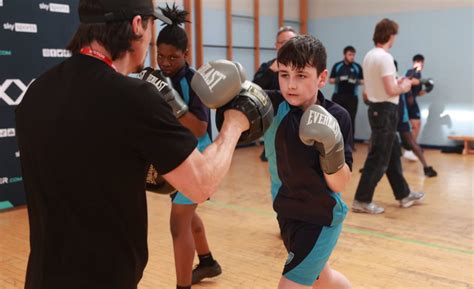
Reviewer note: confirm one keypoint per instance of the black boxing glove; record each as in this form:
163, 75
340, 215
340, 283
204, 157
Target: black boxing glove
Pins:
165, 87
256, 105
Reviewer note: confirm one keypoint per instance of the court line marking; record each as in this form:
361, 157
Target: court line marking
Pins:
348, 228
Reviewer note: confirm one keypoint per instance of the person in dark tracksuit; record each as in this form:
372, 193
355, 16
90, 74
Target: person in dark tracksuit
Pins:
347, 75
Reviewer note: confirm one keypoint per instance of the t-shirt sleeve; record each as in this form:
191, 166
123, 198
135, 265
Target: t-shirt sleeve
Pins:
197, 108
263, 77
276, 98
333, 71
409, 73
387, 66
361, 72
161, 139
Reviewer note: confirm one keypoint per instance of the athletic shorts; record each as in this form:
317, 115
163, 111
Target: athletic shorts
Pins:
180, 199
404, 126
414, 111
309, 245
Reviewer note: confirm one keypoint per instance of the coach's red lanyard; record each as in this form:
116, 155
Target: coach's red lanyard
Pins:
98, 55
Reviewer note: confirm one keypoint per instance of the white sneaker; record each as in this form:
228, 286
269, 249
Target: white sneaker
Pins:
409, 155
368, 208
412, 199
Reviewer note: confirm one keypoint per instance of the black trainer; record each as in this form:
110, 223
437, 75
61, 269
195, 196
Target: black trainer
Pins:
200, 272
430, 172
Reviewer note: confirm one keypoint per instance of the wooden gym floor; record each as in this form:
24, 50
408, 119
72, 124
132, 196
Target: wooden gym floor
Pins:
427, 246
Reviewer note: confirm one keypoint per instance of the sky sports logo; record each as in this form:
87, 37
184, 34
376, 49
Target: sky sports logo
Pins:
55, 7
7, 132
21, 27
50, 52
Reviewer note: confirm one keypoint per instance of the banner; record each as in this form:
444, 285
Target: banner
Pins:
33, 37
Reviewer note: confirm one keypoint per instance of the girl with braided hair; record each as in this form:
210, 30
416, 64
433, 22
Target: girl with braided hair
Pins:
187, 228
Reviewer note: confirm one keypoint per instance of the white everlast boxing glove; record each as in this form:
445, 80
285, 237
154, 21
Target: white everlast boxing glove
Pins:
320, 129
165, 87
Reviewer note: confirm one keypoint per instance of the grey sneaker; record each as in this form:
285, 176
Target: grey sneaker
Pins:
411, 199
200, 272
369, 208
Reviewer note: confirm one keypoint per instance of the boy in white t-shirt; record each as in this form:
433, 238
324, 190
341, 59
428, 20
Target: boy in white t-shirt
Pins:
383, 90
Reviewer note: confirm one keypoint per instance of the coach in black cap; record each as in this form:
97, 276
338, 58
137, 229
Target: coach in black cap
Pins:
87, 134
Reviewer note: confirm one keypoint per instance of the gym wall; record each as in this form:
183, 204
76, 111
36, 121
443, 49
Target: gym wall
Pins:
214, 31
440, 30
33, 35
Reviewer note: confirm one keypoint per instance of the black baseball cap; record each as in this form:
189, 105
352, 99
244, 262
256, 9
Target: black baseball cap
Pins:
120, 10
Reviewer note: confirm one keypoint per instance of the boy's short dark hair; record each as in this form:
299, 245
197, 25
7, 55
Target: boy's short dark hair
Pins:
349, 49
383, 30
418, 58
303, 50
115, 36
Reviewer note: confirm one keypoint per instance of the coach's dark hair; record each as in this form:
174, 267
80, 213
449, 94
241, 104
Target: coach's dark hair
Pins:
173, 34
116, 37
303, 50
285, 29
383, 30
349, 49
418, 58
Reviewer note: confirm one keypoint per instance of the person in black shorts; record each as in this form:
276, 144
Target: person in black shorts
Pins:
347, 75
87, 134
187, 228
417, 90
407, 140
267, 74
310, 157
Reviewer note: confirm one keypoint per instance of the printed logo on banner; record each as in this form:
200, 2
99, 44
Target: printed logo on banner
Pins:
5, 52
6, 85
6, 180
21, 27
7, 132
49, 52
55, 7
17, 154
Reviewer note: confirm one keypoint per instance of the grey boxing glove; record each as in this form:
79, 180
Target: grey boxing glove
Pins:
320, 129
217, 82
165, 87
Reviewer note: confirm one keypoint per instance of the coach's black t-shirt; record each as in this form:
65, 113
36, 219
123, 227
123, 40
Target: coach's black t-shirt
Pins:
86, 135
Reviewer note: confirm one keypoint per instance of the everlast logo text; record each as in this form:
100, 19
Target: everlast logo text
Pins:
211, 76
160, 84
319, 118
